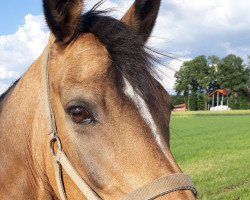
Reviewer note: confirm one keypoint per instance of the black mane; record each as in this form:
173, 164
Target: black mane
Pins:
128, 56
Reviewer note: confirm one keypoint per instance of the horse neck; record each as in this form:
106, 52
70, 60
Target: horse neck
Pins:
23, 132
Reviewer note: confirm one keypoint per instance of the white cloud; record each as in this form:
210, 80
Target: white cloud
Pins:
241, 51
19, 50
181, 53
187, 25
166, 73
4, 74
182, 29
205, 13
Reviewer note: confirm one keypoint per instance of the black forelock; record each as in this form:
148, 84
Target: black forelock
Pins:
128, 56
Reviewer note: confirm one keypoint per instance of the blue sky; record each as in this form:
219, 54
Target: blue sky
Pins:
12, 13
184, 28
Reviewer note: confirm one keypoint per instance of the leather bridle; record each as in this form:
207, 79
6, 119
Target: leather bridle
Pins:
157, 188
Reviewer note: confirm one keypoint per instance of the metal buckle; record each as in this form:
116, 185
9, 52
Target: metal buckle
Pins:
52, 142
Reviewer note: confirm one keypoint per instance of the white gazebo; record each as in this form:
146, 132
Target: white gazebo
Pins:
219, 94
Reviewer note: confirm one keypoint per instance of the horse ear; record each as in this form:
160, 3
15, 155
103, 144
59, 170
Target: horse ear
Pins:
62, 17
141, 17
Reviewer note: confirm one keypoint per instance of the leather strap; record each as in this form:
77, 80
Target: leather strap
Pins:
60, 159
59, 180
50, 118
159, 187
162, 186
75, 176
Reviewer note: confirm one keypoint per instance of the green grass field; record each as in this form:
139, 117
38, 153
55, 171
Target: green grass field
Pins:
213, 148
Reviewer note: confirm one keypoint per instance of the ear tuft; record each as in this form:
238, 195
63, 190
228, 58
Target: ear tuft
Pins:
62, 17
141, 17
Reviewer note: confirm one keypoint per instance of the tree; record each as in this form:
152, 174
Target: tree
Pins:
181, 84
186, 98
206, 76
201, 99
248, 70
202, 76
233, 75
232, 103
193, 101
194, 76
177, 99
213, 62
243, 104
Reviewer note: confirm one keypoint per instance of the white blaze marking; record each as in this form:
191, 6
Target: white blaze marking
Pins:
144, 111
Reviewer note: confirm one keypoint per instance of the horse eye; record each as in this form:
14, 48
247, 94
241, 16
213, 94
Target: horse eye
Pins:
80, 115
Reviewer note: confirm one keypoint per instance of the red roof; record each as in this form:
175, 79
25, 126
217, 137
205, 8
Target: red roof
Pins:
180, 106
221, 91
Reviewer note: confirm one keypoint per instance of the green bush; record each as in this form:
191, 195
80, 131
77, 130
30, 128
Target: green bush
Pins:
243, 104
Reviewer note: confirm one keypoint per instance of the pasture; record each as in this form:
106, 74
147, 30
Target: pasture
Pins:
213, 148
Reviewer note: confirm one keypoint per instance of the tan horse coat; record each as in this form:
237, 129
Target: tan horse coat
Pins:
115, 156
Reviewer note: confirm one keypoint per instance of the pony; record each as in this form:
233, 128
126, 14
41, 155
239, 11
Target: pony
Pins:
111, 114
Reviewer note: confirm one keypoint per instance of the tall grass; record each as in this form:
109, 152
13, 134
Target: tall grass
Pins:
214, 149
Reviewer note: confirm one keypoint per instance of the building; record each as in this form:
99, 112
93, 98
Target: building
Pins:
219, 100
181, 107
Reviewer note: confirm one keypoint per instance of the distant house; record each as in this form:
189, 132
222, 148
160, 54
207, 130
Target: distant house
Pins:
181, 107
